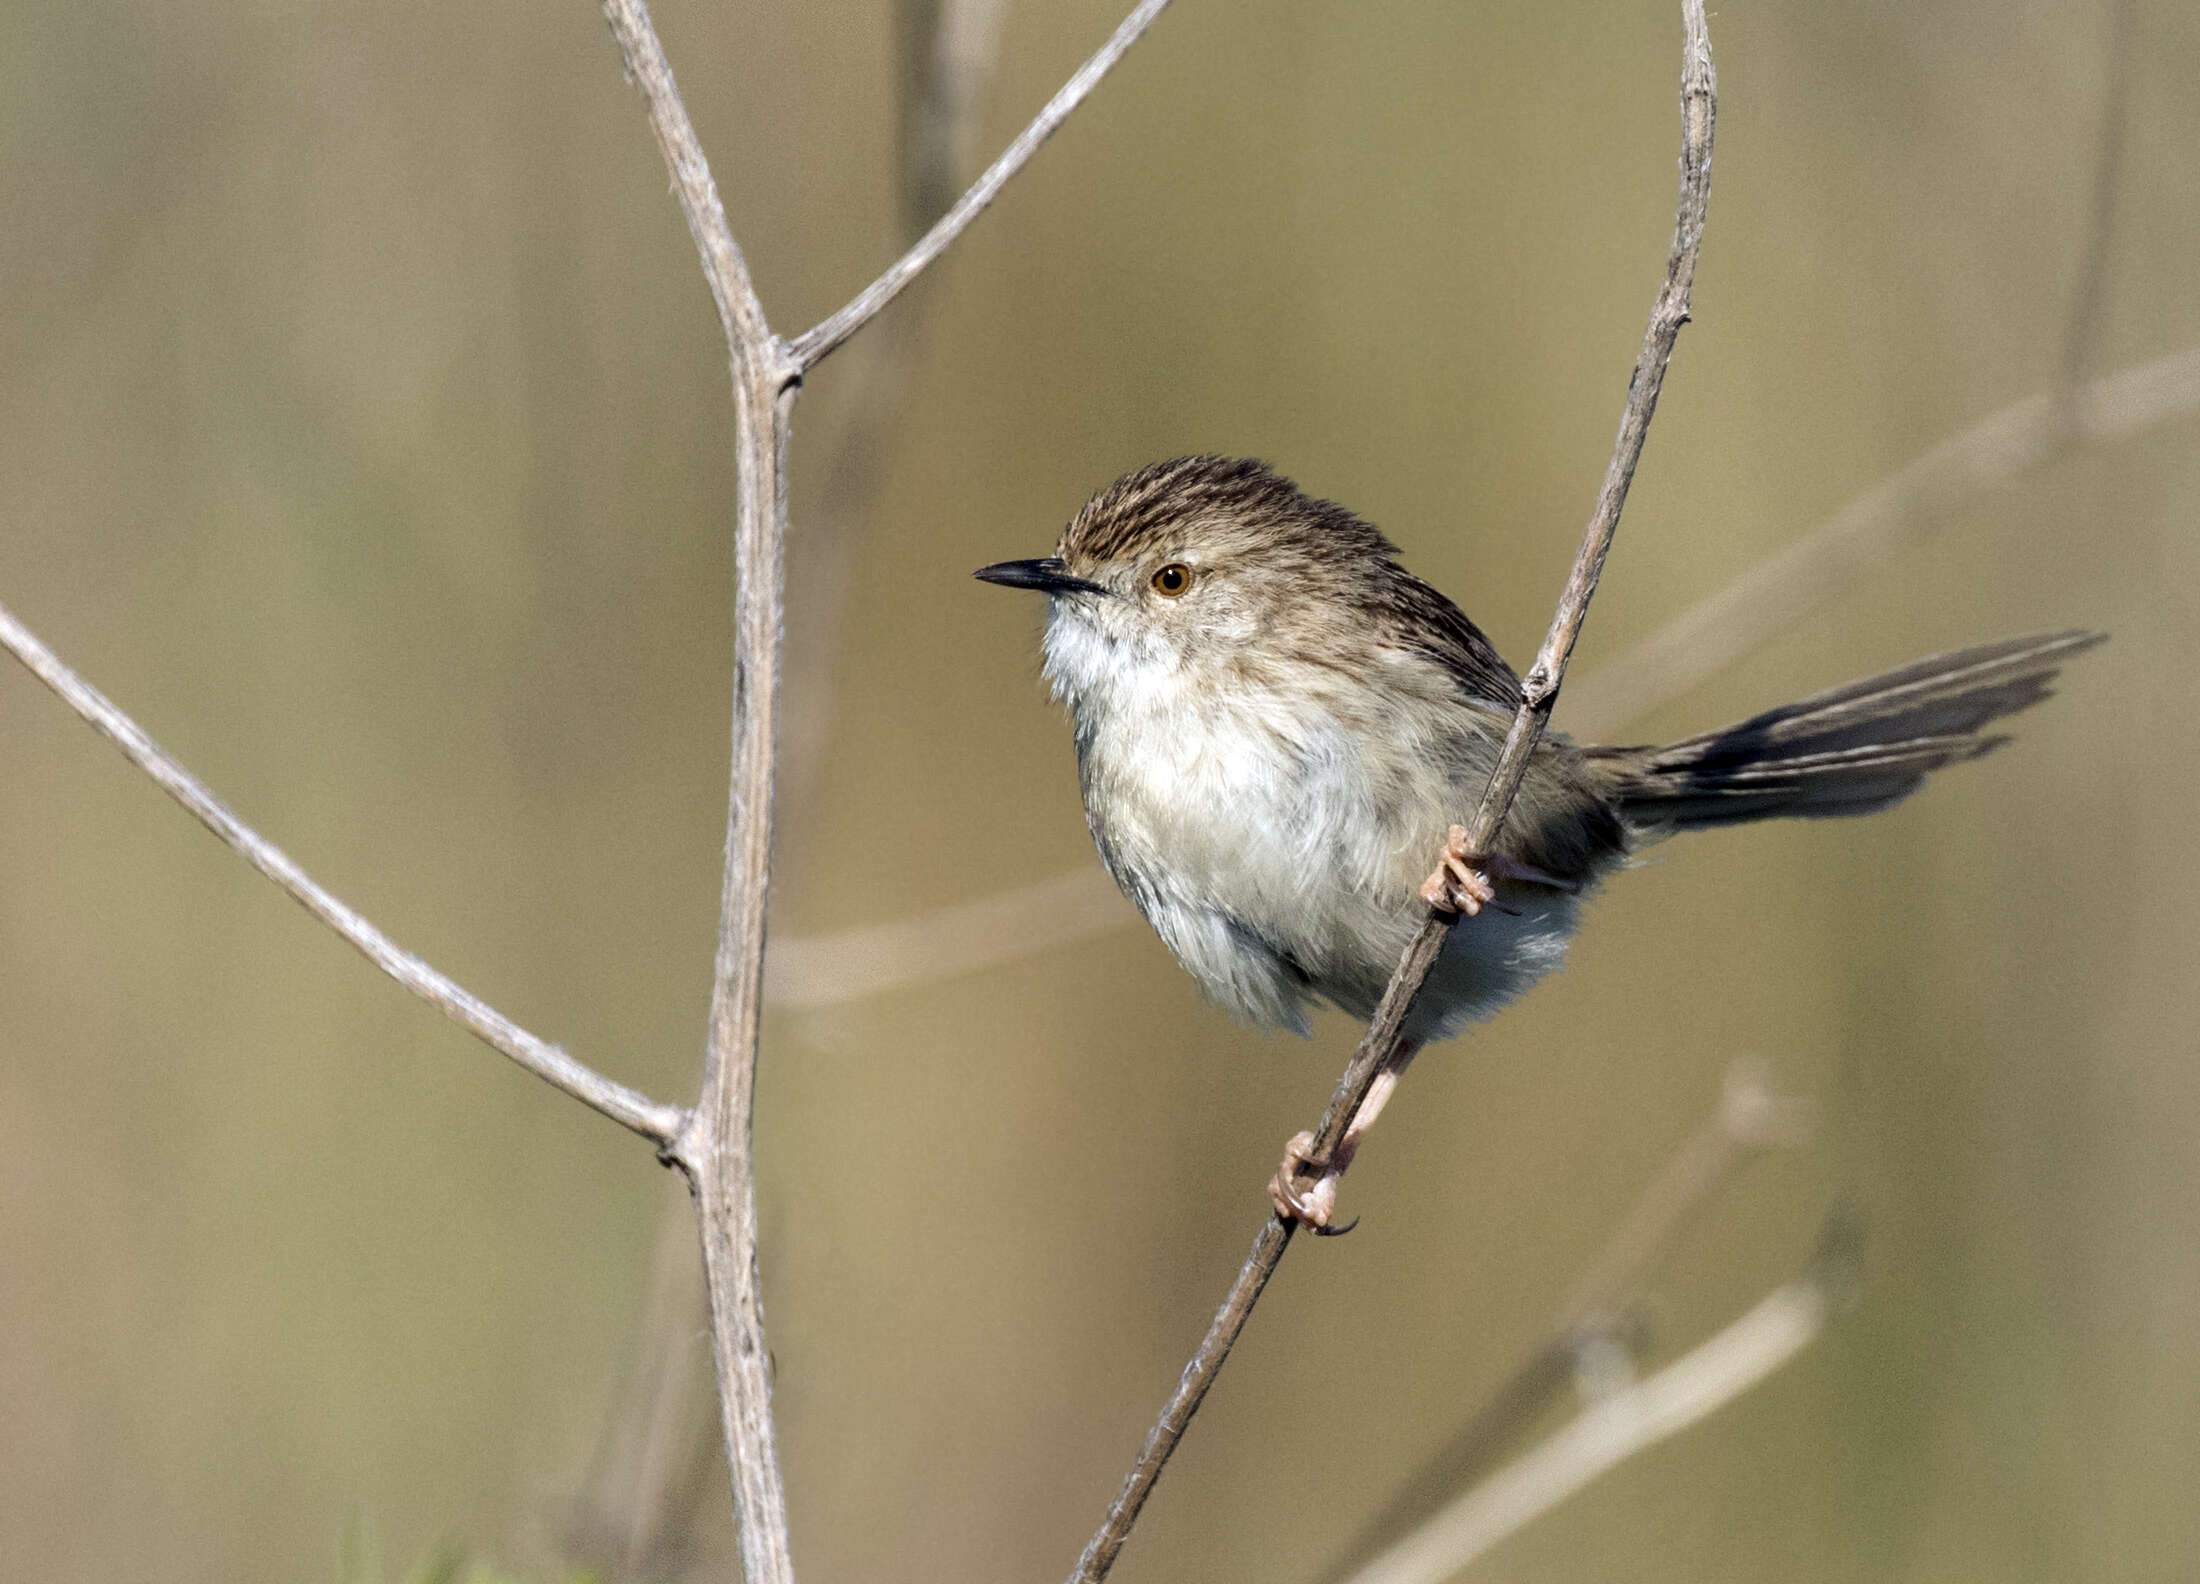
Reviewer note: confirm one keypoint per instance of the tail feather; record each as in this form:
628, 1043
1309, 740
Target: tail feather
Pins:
1850, 750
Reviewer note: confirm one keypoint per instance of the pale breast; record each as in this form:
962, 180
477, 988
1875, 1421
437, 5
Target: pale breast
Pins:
1276, 839
1253, 833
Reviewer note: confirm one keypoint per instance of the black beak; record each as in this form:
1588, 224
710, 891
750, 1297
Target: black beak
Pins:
1046, 574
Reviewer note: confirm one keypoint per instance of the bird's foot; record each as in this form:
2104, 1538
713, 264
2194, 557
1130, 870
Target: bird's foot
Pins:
1462, 882
1465, 881
1312, 1207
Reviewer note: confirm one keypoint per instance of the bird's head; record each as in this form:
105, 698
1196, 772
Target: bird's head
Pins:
1205, 566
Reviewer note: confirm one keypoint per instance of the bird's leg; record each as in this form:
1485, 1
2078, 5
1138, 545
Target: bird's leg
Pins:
1313, 1207
1465, 881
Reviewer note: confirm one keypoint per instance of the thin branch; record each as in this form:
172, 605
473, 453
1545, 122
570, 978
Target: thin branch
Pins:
1902, 510
641, 1495
815, 345
748, 335
1615, 1428
1539, 689
654, 1121
716, 1148
1601, 1312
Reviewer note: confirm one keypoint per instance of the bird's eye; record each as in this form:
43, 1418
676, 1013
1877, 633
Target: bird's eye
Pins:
1172, 579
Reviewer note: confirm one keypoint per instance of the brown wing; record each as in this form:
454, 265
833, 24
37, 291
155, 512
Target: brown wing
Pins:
1431, 623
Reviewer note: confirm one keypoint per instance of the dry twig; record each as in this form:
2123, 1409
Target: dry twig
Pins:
715, 1150
816, 344
652, 1119
641, 1493
1539, 689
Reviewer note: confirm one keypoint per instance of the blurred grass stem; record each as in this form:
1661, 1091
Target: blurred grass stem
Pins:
1601, 1318
1900, 511
1539, 691
1616, 1427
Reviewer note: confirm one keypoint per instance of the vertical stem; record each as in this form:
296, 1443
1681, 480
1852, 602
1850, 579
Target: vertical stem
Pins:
718, 1154
714, 1149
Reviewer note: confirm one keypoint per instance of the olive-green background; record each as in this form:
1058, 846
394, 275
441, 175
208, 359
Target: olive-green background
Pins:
364, 430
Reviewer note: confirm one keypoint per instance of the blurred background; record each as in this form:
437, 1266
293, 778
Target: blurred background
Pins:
365, 432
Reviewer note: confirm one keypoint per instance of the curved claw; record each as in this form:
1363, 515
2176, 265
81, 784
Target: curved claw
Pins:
1289, 1202
1311, 1207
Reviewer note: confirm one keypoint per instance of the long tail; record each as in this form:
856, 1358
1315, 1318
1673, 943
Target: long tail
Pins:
1853, 750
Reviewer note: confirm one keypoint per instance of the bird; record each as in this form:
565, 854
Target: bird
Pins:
1278, 727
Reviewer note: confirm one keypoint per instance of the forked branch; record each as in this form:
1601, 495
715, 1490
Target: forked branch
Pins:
1539, 690
715, 1149
815, 345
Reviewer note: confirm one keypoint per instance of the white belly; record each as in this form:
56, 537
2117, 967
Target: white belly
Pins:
1278, 864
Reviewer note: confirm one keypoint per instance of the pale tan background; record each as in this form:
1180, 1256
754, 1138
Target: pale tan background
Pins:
364, 429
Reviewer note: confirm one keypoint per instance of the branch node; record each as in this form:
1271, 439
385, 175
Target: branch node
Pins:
818, 342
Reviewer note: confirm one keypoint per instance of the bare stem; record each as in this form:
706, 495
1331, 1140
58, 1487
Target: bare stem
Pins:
643, 1491
625, 1106
748, 336
813, 346
1539, 690
716, 1148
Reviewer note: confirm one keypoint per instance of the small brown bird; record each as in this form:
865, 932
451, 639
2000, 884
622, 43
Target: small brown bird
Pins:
1277, 725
